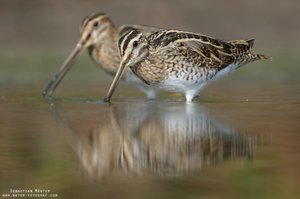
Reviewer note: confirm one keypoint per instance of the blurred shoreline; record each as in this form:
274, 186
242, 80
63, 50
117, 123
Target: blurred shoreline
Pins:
49, 25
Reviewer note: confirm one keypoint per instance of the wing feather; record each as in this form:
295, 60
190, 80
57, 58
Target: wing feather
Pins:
198, 49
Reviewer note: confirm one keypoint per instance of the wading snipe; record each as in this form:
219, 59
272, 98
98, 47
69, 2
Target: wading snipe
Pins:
100, 36
180, 61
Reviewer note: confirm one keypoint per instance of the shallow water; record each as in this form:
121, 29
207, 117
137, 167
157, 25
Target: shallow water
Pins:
134, 148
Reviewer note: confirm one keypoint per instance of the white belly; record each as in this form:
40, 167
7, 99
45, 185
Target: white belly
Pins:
181, 83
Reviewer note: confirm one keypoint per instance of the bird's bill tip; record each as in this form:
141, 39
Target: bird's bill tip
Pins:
46, 93
65, 67
115, 82
105, 100
50, 87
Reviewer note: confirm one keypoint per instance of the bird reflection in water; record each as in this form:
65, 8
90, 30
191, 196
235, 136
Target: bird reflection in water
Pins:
158, 138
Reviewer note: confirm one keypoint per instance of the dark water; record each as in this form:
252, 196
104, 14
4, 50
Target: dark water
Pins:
78, 148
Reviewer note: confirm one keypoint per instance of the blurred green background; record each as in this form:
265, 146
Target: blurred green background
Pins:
37, 35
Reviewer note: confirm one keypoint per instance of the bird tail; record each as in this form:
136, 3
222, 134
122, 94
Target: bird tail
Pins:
262, 57
245, 52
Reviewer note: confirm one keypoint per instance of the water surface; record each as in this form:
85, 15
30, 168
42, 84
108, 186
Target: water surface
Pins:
134, 148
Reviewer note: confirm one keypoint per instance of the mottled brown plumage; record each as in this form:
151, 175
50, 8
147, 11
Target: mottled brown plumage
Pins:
100, 36
181, 61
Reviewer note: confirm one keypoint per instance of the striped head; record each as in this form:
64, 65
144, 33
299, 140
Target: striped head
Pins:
133, 48
94, 27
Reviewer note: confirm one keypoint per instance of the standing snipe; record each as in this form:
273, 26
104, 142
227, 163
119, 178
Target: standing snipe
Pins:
180, 61
100, 36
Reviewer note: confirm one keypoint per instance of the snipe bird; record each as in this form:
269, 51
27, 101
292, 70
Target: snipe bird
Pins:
100, 36
180, 61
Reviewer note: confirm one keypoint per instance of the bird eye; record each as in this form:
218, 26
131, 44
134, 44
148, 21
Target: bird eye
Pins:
95, 24
135, 43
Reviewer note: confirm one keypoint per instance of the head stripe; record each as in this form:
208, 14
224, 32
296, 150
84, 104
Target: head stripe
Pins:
124, 41
90, 17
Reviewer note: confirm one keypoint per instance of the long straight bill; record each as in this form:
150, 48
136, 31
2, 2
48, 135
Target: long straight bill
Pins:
67, 65
122, 68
